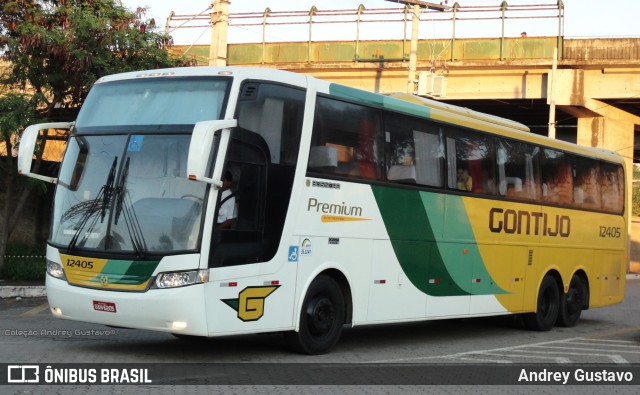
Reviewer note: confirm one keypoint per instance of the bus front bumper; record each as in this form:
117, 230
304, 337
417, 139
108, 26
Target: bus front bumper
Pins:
175, 310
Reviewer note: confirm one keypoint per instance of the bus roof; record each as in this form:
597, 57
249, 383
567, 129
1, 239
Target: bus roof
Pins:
213, 71
463, 111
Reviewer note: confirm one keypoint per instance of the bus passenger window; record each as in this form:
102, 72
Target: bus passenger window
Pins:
518, 170
557, 177
345, 140
470, 162
414, 150
586, 188
612, 188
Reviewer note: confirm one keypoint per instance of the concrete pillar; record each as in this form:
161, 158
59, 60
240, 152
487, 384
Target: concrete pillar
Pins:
591, 131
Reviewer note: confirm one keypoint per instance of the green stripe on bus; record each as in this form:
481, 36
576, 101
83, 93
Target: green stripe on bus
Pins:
414, 242
415, 223
463, 260
378, 100
128, 272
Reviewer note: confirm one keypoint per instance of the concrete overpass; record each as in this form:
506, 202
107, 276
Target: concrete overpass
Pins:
597, 81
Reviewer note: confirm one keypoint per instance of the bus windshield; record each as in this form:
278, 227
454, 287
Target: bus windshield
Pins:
123, 185
128, 194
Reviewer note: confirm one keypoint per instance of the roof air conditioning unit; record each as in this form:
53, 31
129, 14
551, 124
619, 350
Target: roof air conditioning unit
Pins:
425, 83
439, 86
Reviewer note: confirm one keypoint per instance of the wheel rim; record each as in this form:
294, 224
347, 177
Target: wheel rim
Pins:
321, 316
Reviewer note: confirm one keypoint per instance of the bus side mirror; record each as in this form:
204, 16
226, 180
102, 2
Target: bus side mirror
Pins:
204, 147
27, 147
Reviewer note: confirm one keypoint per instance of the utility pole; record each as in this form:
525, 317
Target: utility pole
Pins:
219, 27
552, 95
413, 51
413, 54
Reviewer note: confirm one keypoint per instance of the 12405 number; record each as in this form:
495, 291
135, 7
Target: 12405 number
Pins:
609, 231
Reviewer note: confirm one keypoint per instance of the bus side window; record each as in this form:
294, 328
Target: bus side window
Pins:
470, 162
557, 177
518, 170
414, 150
345, 140
612, 188
586, 188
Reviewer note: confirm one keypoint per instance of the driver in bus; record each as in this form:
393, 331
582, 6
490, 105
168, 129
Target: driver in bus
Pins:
227, 211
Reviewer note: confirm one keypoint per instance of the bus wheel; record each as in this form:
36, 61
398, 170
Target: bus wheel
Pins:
571, 304
321, 318
547, 307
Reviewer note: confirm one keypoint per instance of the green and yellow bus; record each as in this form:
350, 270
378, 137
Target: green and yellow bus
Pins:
348, 208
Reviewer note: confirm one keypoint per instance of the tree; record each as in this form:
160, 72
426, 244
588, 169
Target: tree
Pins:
55, 50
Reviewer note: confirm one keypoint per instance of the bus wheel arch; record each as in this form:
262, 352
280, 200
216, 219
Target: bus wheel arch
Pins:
574, 300
325, 309
547, 303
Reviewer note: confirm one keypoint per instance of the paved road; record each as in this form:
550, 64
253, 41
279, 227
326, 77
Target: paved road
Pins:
609, 337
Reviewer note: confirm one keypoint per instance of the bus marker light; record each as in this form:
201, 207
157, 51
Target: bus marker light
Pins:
273, 282
465, 251
56, 311
379, 281
178, 325
475, 280
229, 284
434, 281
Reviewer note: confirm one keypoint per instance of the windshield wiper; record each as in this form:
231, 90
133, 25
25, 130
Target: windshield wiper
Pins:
131, 220
104, 195
120, 191
108, 189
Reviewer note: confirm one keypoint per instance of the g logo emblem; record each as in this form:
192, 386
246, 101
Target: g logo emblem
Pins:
250, 302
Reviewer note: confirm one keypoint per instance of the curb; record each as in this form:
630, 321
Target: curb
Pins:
22, 291
34, 291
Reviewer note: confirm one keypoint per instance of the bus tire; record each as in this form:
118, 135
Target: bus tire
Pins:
571, 303
321, 318
547, 307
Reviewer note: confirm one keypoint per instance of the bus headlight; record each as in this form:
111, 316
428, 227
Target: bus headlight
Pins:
181, 279
55, 270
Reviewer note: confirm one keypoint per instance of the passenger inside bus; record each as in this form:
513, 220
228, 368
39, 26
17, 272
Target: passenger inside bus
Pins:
464, 180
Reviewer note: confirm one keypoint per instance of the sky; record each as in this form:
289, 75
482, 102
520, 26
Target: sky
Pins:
583, 18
